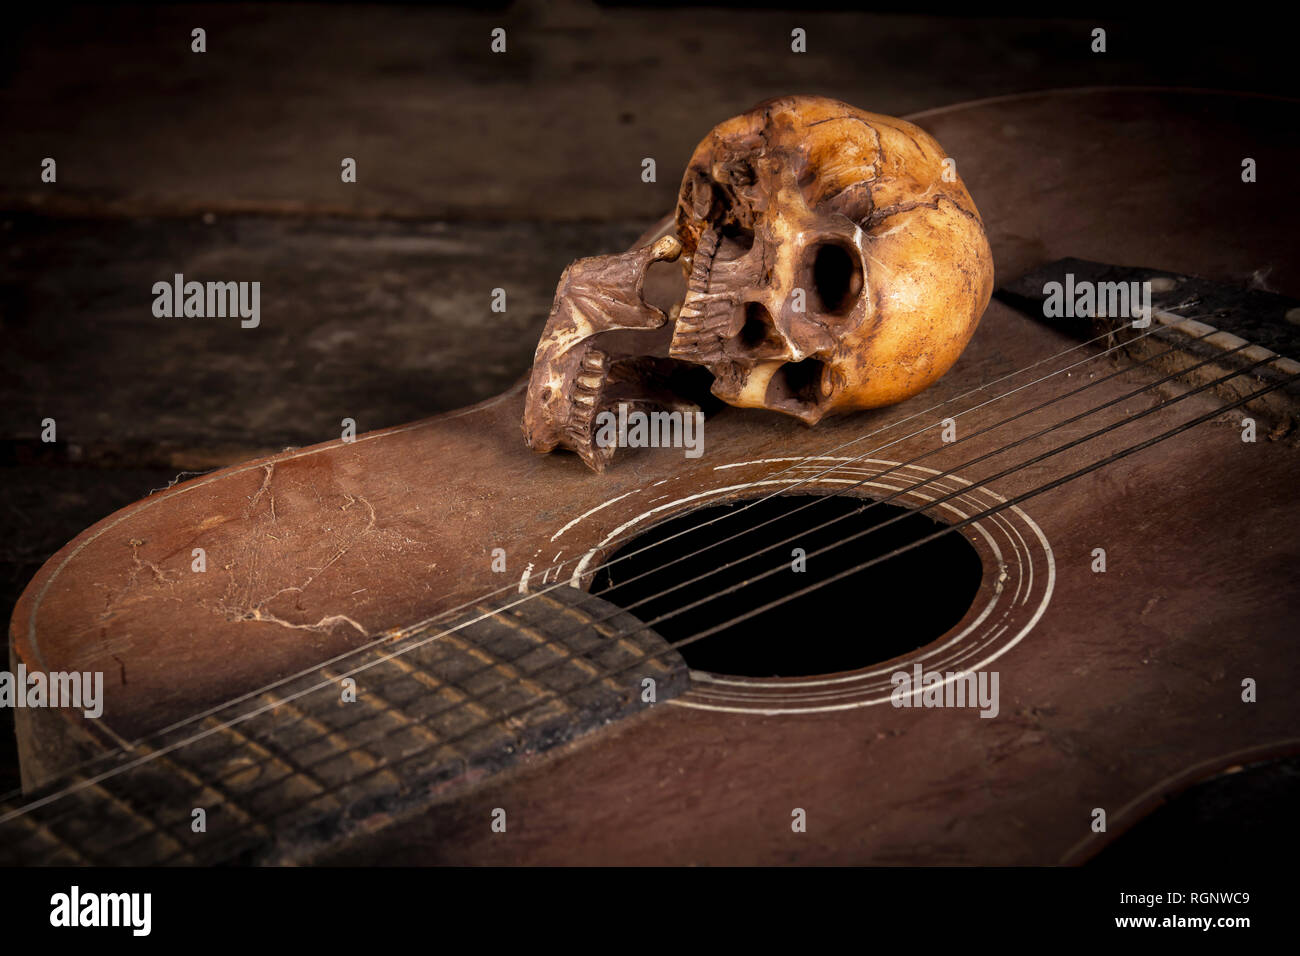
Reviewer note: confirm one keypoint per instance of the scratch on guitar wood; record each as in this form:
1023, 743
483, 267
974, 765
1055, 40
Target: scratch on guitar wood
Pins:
239, 603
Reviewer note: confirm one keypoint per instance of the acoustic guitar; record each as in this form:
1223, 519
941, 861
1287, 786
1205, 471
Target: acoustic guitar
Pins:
431, 644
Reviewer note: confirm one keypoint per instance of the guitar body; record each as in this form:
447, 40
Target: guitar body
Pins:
1118, 688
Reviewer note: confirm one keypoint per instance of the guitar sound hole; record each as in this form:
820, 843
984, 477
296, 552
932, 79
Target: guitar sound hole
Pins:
866, 617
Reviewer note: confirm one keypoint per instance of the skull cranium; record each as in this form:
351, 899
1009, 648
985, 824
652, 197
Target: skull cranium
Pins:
834, 262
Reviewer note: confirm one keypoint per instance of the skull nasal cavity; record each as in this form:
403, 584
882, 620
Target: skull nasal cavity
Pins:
797, 382
836, 277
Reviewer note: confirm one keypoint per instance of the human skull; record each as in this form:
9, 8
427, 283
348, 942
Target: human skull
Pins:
834, 262
833, 266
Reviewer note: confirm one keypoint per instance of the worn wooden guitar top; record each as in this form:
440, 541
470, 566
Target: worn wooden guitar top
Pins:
1117, 689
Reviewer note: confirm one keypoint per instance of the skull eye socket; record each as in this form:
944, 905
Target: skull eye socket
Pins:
836, 277
737, 172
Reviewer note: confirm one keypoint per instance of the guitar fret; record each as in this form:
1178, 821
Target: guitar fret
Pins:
37, 827
96, 826
293, 776
516, 680
345, 750
434, 683
207, 796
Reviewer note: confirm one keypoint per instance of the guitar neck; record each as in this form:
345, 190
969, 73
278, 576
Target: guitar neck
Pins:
353, 747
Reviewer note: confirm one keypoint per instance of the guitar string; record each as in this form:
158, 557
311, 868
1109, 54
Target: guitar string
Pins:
330, 682
983, 483
393, 634
993, 510
120, 751
379, 689
531, 676
817, 499
965, 490
614, 544
932, 504
839, 492
1012, 502
1001, 506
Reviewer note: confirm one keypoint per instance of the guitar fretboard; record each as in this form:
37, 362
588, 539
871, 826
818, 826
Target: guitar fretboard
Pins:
302, 768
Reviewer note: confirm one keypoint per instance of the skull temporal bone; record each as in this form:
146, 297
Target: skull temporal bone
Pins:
830, 265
